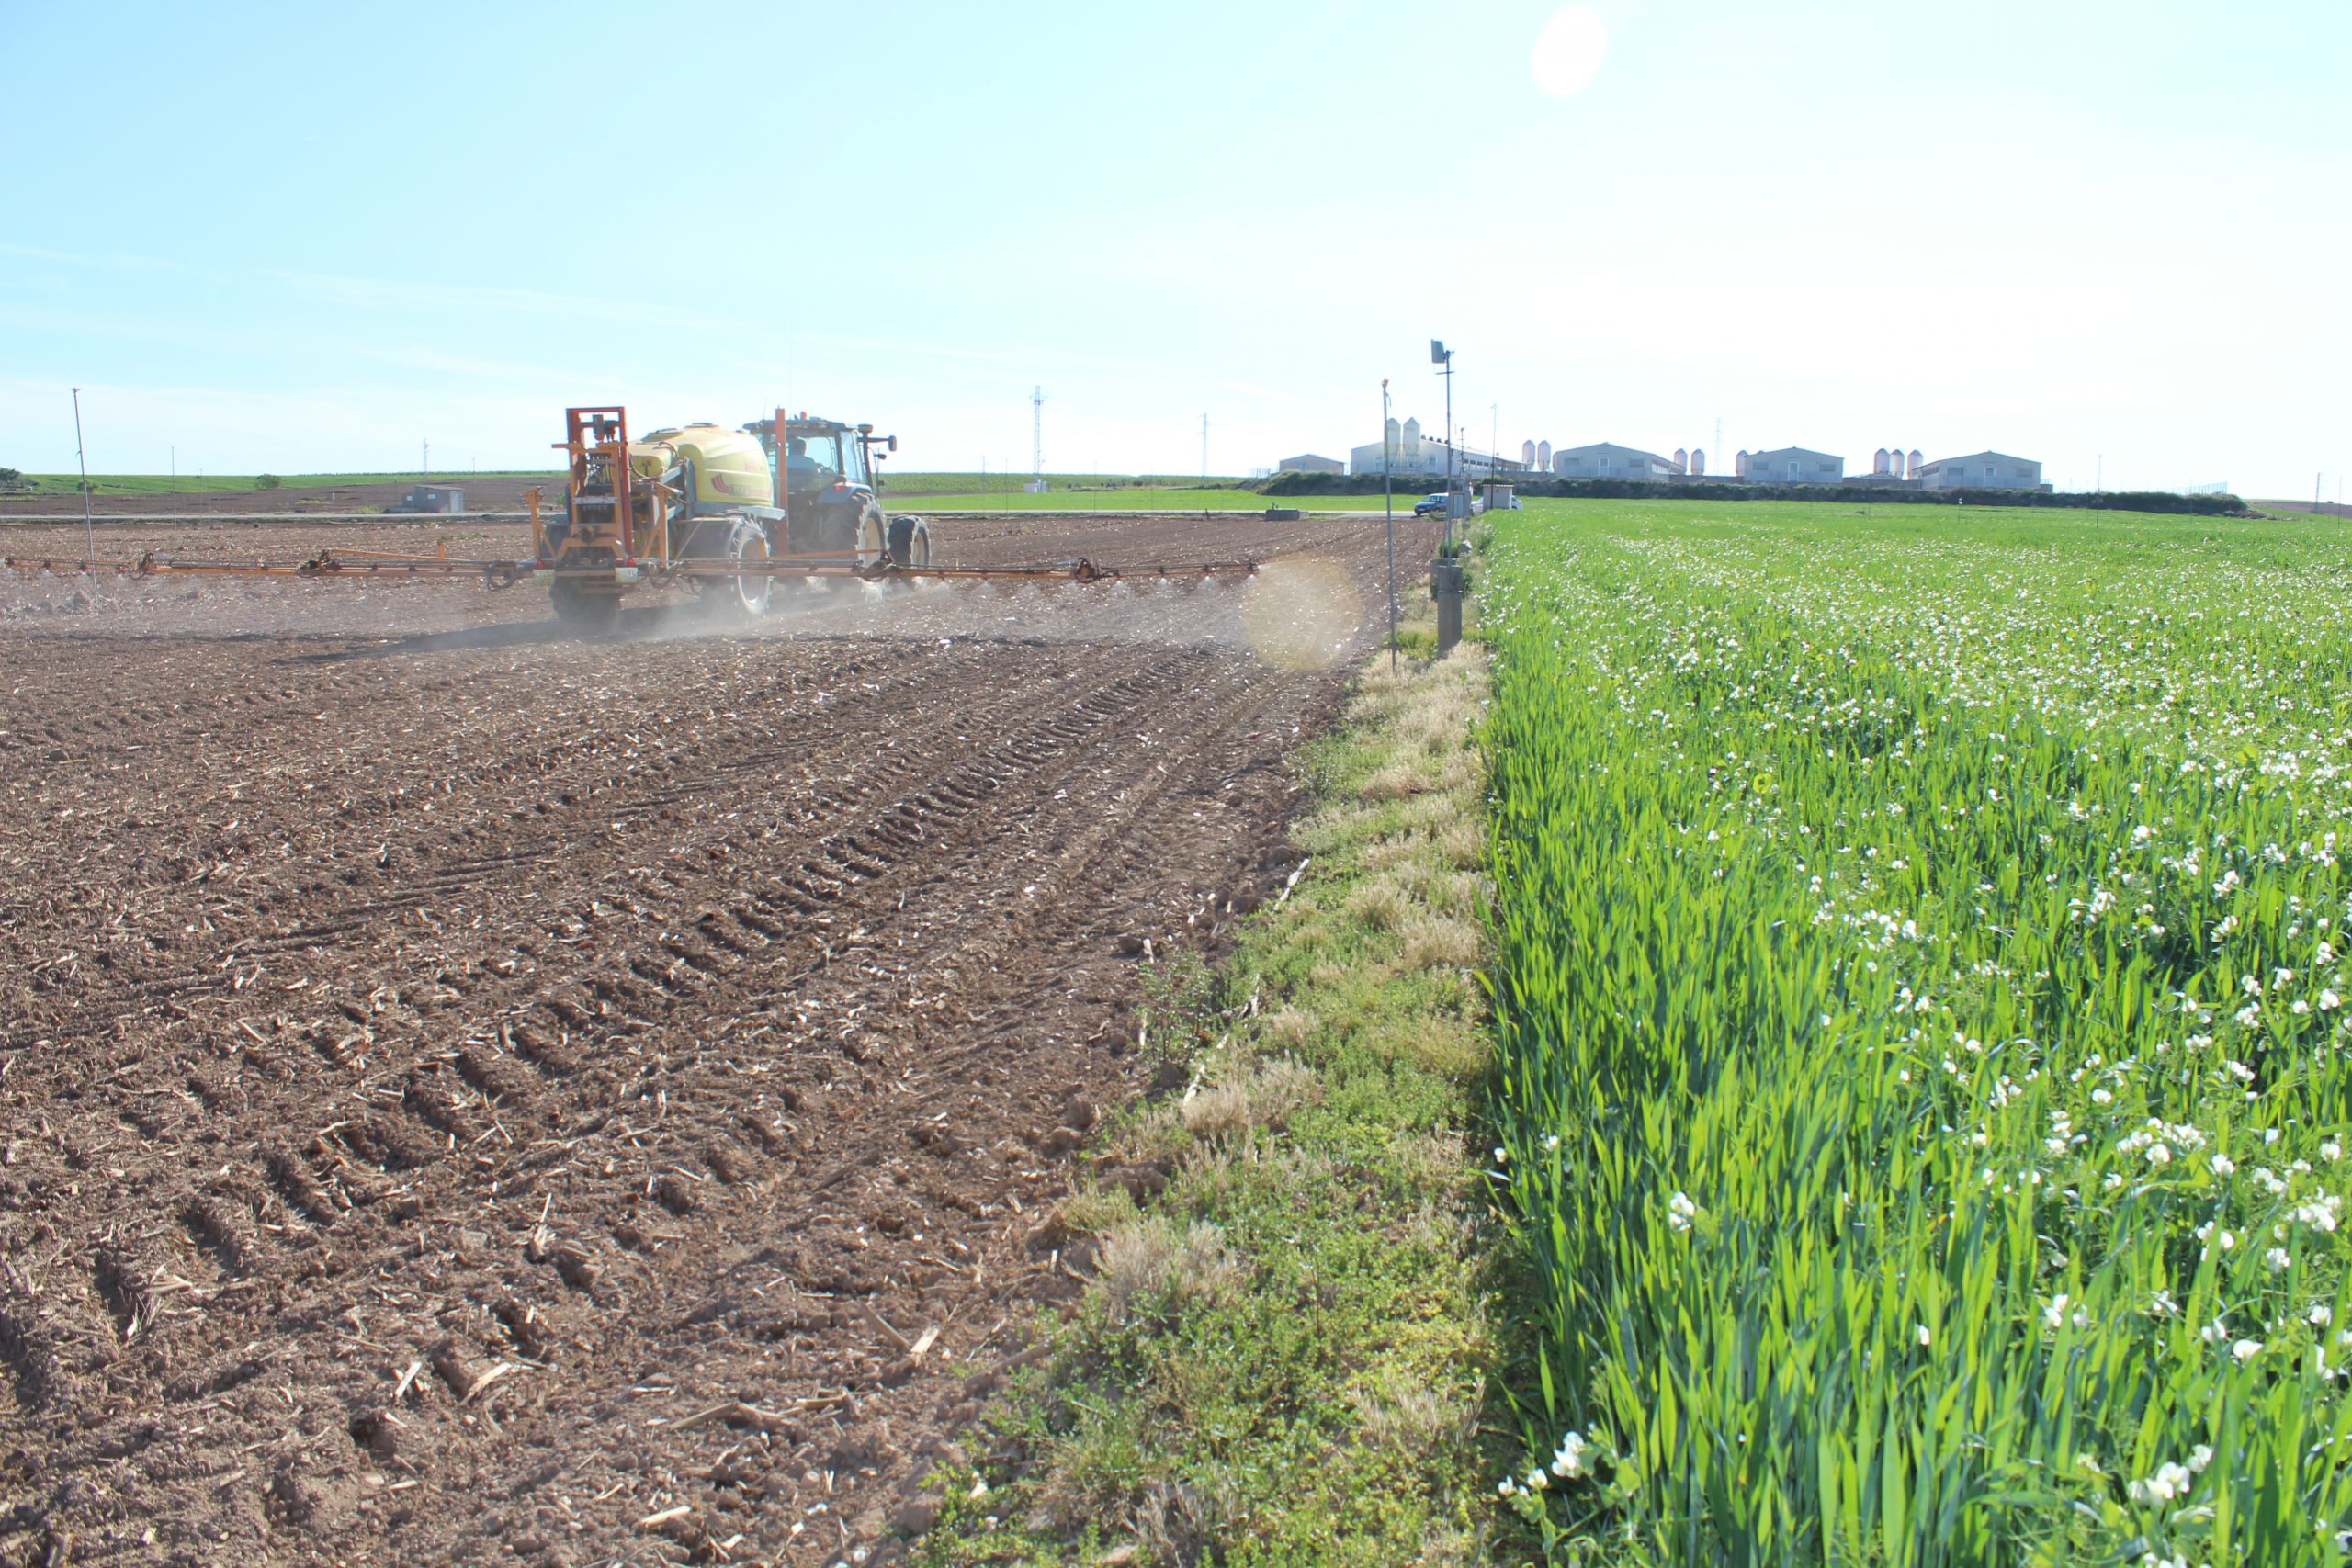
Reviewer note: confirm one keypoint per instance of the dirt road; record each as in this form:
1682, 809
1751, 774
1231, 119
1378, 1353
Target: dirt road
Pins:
485, 1095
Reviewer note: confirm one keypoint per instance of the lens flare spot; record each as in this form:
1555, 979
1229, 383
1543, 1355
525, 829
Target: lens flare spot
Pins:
1568, 51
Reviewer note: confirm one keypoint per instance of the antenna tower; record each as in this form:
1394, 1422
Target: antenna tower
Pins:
1038, 434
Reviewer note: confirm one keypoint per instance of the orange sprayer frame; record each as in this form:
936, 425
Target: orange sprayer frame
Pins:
593, 423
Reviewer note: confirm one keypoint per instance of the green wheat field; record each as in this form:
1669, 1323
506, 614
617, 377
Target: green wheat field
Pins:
1920, 990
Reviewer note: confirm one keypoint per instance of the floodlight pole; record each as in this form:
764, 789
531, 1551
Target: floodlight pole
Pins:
82, 459
1388, 505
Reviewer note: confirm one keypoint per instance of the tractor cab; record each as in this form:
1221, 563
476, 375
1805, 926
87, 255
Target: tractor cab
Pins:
825, 484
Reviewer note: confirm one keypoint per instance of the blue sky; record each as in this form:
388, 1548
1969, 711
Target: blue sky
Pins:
305, 237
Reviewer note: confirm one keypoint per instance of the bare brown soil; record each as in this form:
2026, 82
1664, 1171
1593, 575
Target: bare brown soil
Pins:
474, 1094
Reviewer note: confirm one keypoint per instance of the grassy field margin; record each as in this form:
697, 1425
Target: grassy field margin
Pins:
1278, 1359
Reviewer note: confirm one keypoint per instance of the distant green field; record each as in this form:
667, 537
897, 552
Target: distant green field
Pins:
1082, 502
1004, 484
163, 484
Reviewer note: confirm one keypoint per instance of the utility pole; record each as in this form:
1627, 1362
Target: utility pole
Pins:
81, 458
427, 477
1388, 505
1038, 437
1205, 451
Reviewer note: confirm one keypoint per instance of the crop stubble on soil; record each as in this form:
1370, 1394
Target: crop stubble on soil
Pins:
652, 1041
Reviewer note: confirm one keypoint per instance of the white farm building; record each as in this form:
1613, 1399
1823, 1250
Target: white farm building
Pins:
1413, 456
1607, 461
1790, 465
1983, 470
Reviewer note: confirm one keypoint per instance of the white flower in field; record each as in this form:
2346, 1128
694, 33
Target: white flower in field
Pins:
2328, 1000
2321, 1213
1681, 1212
2300, 1008
2054, 1314
2159, 1155
2319, 1315
2170, 1481
2214, 1332
2277, 1259
2223, 1165
2161, 1304
2269, 1134
2227, 1240
2331, 1152
2248, 1015
2246, 1349
1572, 1458
1925, 1338
2101, 1097
2198, 1458
1501, 1154
1503, 1487
1551, 1141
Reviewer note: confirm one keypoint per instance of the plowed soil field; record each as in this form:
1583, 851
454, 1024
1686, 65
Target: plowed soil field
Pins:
468, 1093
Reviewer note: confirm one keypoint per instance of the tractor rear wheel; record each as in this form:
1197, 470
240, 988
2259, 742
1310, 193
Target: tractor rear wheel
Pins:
743, 596
868, 543
910, 544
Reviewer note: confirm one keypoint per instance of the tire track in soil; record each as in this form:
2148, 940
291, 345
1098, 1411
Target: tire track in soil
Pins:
783, 1065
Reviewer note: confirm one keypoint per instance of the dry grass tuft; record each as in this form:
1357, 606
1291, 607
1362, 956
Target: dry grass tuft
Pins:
1146, 1266
1381, 904
1216, 1113
1445, 1045
1282, 1089
1440, 941
1133, 1265
1291, 1025
1395, 781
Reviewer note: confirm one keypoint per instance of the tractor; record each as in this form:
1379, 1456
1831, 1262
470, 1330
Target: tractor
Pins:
691, 503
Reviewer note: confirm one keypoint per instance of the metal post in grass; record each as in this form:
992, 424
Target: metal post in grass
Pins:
1388, 505
82, 459
1440, 355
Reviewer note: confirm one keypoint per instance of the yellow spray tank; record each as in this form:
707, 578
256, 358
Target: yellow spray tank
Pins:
727, 466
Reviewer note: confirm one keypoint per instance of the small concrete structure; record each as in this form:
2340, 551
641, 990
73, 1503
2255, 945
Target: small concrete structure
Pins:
441, 499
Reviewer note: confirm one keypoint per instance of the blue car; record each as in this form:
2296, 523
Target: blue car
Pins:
1431, 506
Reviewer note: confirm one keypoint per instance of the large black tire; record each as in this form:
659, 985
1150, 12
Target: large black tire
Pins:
581, 609
731, 542
869, 544
910, 543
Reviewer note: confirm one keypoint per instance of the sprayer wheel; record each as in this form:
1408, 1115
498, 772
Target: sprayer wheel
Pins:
744, 597
581, 610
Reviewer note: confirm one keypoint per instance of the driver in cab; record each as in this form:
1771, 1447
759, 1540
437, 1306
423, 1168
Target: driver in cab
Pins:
802, 472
